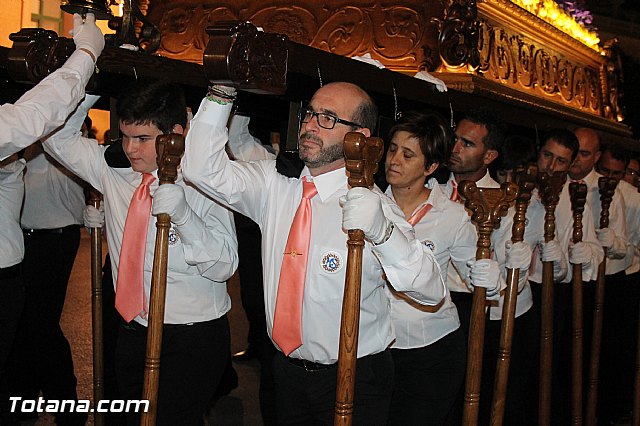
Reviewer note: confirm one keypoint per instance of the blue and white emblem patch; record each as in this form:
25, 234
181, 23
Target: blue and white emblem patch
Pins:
430, 244
173, 237
331, 262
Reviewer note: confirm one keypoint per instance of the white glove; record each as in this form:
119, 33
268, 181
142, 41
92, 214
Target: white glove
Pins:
551, 252
518, 255
170, 199
362, 209
87, 35
606, 236
486, 273
93, 218
579, 253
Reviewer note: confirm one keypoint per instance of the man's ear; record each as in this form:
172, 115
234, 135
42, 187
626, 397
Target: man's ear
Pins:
490, 156
597, 156
365, 131
177, 128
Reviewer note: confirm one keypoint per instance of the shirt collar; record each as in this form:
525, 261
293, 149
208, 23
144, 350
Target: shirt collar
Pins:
328, 183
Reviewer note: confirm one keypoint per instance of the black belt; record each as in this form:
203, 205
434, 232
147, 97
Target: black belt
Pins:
134, 325
309, 365
49, 231
11, 271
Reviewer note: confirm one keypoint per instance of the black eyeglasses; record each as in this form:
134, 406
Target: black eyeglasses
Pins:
326, 121
605, 171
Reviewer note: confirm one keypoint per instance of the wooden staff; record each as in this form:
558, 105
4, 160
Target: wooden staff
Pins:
487, 205
525, 178
578, 194
550, 186
96, 311
607, 189
170, 149
362, 155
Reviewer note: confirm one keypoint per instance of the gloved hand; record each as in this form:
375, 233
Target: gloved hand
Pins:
362, 209
87, 35
170, 199
486, 273
93, 218
606, 236
579, 253
518, 255
551, 252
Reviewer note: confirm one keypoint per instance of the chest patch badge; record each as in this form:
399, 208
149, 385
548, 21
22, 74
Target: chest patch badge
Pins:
430, 244
331, 262
173, 237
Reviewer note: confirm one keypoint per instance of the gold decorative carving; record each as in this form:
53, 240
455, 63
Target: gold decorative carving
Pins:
397, 35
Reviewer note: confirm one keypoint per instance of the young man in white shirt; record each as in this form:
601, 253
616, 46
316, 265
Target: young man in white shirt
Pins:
202, 253
305, 376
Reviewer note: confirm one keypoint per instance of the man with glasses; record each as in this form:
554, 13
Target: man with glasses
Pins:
632, 173
620, 325
305, 367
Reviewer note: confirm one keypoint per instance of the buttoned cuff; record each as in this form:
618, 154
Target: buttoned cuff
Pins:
213, 114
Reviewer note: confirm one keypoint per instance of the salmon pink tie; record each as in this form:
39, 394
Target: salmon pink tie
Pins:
419, 214
455, 195
287, 320
130, 299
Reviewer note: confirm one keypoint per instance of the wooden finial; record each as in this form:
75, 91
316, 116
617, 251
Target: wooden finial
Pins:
578, 194
607, 187
362, 156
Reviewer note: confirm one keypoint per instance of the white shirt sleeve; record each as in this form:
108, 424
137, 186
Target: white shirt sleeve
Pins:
46, 106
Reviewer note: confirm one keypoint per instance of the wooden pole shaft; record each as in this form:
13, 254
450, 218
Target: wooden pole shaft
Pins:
96, 313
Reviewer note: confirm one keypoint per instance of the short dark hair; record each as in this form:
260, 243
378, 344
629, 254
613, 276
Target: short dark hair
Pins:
517, 150
496, 128
432, 132
157, 102
366, 114
564, 137
618, 154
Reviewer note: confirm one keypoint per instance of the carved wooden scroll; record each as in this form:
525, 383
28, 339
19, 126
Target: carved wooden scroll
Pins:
36, 53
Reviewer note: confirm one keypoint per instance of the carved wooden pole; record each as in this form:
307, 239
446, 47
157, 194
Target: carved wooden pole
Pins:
362, 155
607, 189
96, 311
487, 205
578, 193
170, 149
550, 187
525, 178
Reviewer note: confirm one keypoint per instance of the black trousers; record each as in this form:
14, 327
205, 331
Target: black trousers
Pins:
427, 381
41, 358
11, 304
192, 361
308, 397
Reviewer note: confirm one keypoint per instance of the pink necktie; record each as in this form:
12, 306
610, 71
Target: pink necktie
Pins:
287, 320
130, 299
455, 196
418, 215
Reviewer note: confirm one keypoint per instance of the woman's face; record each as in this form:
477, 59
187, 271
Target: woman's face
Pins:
405, 162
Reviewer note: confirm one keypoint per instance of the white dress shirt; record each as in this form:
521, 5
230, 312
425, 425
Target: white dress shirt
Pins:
46, 106
256, 190
200, 260
54, 197
617, 259
631, 198
11, 193
448, 232
534, 235
243, 145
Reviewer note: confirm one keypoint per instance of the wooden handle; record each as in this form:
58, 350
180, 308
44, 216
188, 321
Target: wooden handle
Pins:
607, 187
549, 187
169, 149
578, 194
525, 178
96, 310
487, 206
362, 156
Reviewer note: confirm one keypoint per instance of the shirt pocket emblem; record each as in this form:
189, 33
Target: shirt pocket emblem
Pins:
173, 237
331, 262
430, 244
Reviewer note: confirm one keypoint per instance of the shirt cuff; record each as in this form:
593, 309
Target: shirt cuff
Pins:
213, 114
